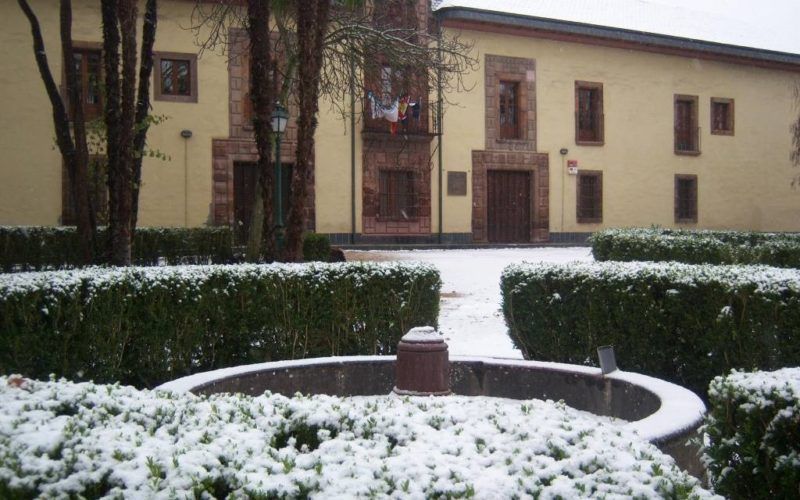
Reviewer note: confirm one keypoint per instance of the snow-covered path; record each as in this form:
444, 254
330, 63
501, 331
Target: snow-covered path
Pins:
470, 317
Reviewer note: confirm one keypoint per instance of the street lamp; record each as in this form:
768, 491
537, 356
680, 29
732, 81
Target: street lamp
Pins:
280, 117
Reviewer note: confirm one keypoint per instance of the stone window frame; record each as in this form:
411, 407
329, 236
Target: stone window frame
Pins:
511, 69
679, 217
598, 174
694, 125
176, 56
581, 85
729, 128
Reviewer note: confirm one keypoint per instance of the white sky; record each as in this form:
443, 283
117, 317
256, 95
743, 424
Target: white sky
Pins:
765, 24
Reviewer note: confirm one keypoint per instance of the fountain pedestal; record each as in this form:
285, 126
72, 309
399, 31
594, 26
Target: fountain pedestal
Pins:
423, 366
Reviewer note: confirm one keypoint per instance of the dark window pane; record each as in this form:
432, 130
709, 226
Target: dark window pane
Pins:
590, 198
182, 76
397, 198
686, 199
685, 126
508, 112
166, 77
93, 78
588, 114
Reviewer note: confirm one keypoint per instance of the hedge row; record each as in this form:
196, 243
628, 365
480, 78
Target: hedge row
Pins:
685, 323
34, 248
697, 247
143, 326
753, 429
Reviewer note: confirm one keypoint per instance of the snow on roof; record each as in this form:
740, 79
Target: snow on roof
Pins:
767, 25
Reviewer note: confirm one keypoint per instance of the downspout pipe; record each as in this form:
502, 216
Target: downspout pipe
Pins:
352, 153
439, 114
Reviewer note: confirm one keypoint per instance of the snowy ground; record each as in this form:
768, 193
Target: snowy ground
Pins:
470, 317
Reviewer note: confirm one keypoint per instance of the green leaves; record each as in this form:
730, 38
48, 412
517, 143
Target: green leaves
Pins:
144, 326
680, 322
697, 247
752, 448
37, 248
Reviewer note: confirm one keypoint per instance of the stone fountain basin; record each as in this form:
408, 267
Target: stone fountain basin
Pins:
663, 413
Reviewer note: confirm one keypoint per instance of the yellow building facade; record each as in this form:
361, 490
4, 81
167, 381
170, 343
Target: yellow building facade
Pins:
563, 132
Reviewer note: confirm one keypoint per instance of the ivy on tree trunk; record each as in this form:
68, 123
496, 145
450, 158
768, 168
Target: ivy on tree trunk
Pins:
262, 95
312, 24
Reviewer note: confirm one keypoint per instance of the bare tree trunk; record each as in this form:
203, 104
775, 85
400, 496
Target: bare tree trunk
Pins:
312, 23
143, 103
119, 28
112, 115
262, 94
74, 153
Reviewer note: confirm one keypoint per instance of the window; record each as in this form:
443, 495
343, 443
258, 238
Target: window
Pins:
687, 140
685, 198
721, 116
590, 196
589, 113
175, 77
508, 111
248, 112
88, 67
396, 195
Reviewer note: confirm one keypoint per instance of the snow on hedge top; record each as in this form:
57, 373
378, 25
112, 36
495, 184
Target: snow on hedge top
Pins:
98, 278
769, 25
761, 387
59, 439
764, 279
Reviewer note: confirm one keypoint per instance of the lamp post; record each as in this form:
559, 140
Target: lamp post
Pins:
279, 118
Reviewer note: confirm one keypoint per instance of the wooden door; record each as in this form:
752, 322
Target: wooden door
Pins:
245, 180
508, 206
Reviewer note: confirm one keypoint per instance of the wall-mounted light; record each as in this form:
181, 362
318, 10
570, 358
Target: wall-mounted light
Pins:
186, 133
563, 151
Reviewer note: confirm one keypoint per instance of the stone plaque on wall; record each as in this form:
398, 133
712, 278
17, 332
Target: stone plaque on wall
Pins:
456, 183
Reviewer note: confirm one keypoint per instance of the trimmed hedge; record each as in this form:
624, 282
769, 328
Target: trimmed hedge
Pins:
35, 248
316, 247
697, 247
753, 428
685, 323
143, 326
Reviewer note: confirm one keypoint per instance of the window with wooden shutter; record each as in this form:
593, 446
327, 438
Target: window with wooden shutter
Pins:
590, 196
687, 133
686, 198
88, 65
396, 194
508, 112
721, 116
589, 113
175, 77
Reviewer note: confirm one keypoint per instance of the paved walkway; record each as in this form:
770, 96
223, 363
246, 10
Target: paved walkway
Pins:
470, 317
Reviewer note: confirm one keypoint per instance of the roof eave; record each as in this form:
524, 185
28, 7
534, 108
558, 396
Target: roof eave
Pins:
647, 41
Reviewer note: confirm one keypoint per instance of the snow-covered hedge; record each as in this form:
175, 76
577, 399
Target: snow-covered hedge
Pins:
64, 440
685, 323
697, 247
753, 434
34, 248
147, 325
